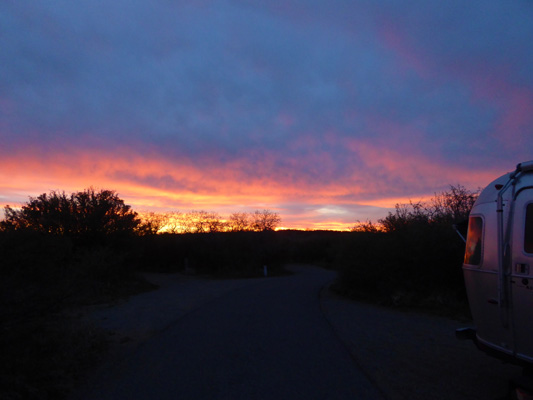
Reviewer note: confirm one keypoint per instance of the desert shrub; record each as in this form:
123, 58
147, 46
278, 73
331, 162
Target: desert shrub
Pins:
413, 259
414, 267
88, 216
310, 247
216, 253
237, 253
61, 243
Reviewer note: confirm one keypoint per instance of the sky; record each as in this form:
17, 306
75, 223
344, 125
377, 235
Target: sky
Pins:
326, 112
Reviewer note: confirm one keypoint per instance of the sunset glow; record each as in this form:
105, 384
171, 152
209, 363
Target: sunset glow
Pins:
327, 114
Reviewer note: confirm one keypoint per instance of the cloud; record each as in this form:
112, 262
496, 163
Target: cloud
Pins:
297, 105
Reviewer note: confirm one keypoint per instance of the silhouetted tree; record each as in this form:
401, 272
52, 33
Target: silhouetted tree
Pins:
47, 213
175, 222
214, 222
265, 220
194, 222
86, 214
199, 222
446, 208
454, 205
152, 223
367, 226
239, 222
405, 215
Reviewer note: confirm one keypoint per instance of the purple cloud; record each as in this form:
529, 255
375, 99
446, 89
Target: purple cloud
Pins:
296, 92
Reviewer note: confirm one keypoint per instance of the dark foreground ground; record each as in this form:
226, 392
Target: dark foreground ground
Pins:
283, 337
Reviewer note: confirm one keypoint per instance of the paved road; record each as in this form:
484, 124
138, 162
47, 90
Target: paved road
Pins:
261, 339
282, 338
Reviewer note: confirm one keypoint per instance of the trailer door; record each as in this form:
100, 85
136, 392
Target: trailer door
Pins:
522, 275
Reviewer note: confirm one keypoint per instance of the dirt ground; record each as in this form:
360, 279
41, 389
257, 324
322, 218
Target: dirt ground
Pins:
412, 355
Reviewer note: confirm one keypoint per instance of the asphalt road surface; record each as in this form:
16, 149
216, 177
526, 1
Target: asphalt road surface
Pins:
282, 338
265, 340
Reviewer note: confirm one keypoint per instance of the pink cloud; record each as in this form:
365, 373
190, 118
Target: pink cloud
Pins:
378, 174
146, 176
414, 170
400, 44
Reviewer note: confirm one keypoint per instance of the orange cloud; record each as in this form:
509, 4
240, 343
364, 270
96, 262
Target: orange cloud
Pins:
149, 182
148, 179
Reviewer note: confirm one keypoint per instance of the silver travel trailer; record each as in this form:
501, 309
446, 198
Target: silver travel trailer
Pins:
498, 268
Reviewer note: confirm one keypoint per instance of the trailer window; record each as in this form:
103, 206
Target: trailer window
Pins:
474, 241
528, 234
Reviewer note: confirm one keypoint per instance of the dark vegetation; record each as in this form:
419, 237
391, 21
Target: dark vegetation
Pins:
60, 252
413, 257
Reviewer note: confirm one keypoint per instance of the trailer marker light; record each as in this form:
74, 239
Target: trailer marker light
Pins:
526, 166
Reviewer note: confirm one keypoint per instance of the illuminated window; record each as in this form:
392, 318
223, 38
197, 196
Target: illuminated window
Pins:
528, 234
474, 240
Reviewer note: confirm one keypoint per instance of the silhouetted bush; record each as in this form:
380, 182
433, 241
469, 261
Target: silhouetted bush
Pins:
216, 253
88, 216
413, 259
410, 268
